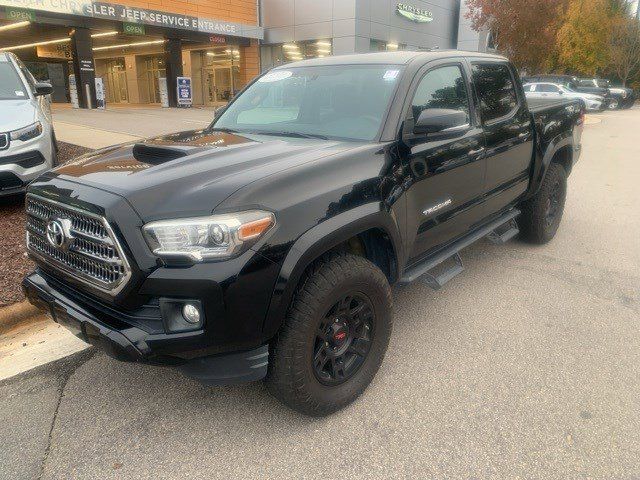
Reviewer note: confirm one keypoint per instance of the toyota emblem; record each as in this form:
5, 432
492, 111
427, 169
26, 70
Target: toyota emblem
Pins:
55, 233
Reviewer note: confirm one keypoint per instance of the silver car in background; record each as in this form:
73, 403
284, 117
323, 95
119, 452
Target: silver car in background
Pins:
27, 141
553, 90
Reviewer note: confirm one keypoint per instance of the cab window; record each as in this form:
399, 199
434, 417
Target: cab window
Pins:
442, 87
496, 90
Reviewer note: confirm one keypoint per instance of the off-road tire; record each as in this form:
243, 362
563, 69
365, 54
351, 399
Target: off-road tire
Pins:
291, 376
533, 222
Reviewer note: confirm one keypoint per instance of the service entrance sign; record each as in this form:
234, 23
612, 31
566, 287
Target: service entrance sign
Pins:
184, 91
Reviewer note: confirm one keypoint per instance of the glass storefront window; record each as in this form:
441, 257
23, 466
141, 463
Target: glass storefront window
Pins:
273, 55
380, 46
221, 74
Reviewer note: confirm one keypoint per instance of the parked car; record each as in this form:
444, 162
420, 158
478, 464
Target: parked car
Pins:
264, 245
551, 90
621, 98
573, 83
27, 142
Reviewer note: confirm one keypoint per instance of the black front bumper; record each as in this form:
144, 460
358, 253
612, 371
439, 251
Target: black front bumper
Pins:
127, 342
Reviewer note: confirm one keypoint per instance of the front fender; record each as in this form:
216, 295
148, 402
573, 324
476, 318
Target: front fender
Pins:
317, 241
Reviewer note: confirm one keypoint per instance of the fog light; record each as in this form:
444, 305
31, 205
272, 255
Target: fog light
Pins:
191, 313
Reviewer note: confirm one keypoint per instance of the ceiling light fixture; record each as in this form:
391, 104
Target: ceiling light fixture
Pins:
125, 45
37, 44
104, 34
11, 26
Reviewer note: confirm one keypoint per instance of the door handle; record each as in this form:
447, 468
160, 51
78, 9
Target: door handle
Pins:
479, 151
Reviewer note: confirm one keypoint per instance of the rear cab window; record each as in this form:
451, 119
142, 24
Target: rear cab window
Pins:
496, 90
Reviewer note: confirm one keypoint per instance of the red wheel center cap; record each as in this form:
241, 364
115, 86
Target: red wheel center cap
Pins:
340, 336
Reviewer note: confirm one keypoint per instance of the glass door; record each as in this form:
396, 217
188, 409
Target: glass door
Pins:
154, 68
116, 81
219, 75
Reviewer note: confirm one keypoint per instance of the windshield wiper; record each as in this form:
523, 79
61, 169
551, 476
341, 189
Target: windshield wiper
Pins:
293, 134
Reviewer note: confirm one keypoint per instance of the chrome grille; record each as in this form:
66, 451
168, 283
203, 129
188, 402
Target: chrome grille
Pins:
91, 252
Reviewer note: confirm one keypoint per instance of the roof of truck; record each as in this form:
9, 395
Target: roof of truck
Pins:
386, 58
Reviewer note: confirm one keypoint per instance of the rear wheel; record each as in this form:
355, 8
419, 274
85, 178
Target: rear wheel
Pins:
541, 215
613, 104
334, 337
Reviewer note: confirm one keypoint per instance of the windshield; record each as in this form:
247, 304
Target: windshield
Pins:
11, 86
337, 101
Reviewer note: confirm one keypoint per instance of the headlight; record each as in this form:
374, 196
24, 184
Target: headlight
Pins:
27, 133
208, 238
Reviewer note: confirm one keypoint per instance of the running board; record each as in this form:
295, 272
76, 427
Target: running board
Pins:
500, 230
504, 233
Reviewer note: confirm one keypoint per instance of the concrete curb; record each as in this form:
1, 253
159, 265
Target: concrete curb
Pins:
16, 314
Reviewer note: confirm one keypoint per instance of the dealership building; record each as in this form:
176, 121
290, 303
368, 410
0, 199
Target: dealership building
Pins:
140, 48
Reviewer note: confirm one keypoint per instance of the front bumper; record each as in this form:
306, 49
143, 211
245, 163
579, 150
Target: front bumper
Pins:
125, 338
22, 162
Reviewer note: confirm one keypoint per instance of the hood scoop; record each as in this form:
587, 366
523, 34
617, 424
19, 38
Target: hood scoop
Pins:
156, 155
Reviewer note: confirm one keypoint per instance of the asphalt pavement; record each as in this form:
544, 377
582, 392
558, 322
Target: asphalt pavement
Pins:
525, 366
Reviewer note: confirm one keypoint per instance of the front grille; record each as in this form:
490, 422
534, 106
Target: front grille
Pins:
90, 250
8, 181
4, 141
25, 160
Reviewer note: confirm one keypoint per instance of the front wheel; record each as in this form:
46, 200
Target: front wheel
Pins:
541, 214
613, 104
334, 337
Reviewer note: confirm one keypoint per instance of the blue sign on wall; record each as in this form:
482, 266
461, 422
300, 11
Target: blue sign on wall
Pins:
184, 91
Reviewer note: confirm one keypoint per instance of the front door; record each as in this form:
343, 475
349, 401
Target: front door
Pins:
445, 176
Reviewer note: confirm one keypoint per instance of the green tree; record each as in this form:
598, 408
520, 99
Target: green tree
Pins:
524, 30
584, 40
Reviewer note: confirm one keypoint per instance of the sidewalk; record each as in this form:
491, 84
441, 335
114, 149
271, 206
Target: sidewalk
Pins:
101, 128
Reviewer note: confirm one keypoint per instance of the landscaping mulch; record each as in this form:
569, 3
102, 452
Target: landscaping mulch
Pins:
14, 264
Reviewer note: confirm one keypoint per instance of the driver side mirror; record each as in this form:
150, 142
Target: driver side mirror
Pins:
560, 92
441, 120
43, 88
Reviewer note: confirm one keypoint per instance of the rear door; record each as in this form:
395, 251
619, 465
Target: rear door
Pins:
548, 90
443, 176
508, 131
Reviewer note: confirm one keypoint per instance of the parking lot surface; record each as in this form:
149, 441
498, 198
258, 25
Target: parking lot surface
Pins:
525, 366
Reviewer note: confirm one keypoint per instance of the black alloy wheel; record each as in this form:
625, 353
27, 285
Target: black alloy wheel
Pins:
343, 339
553, 204
334, 336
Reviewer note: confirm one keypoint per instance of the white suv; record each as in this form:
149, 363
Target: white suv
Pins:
27, 142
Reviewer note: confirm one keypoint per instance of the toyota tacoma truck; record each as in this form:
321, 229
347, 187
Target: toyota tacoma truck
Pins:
264, 246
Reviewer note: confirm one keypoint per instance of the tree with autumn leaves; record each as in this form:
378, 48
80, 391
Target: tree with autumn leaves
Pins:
584, 37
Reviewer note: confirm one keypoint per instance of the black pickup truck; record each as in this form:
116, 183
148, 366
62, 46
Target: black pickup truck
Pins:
265, 245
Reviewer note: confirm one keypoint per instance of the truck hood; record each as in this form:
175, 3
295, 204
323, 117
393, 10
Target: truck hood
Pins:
16, 114
190, 173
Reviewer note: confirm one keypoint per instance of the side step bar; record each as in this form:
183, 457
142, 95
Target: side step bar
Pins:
499, 231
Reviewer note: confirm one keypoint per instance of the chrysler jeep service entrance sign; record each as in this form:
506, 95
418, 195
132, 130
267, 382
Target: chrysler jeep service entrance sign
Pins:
415, 14
136, 15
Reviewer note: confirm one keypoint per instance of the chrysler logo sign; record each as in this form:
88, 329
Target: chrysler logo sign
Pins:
414, 14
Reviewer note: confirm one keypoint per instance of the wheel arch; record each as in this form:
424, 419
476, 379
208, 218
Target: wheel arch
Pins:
366, 230
559, 150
